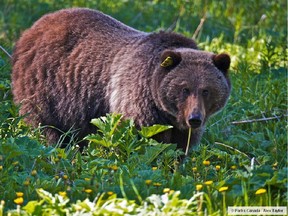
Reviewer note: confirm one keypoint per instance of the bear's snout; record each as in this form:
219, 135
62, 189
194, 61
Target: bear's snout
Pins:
195, 120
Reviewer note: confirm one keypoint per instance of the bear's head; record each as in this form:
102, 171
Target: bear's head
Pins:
191, 85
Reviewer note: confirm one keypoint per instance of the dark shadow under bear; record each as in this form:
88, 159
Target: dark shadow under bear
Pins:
77, 64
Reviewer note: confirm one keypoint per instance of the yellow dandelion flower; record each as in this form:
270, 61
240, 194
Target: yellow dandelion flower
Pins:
260, 191
87, 179
19, 194
148, 182
65, 177
62, 193
114, 167
194, 169
166, 190
15, 163
88, 190
199, 187
206, 162
222, 189
208, 182
154, 168
19, 200
1, 168
234, 167
34, 173
171, 192
217, 167
26, 183
157, 184
110, 193
56, 177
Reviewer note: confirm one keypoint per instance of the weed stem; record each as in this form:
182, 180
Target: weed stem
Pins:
5, 51
258, 120
188, 142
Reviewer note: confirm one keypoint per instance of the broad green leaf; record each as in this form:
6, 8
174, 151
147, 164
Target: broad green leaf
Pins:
32, 205
150, 131
97, 139
152, 152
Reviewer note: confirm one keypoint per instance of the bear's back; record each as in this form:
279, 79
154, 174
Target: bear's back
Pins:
83, 19
57, 37
64, 27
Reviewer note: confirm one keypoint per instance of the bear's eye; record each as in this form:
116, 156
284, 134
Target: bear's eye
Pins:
186, 92
205, 92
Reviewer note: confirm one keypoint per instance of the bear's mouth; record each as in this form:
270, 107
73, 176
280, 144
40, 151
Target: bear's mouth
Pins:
195, 120
195, 123
182, 124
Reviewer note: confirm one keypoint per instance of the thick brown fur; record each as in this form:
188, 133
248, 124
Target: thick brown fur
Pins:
77, 64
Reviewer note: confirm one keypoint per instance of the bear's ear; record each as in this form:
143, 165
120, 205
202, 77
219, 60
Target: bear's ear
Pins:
222, 62
170, 59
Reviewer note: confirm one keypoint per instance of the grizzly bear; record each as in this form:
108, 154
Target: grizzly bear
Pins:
78, 64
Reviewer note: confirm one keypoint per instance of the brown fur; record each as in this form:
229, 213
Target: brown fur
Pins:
77, 64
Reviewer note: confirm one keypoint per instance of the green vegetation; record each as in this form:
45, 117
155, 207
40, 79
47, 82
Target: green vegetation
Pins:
242, 158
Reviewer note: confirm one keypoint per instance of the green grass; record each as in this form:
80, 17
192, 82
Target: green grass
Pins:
122, 168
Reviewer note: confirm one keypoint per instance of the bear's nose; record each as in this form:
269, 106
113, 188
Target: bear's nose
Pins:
195, 120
